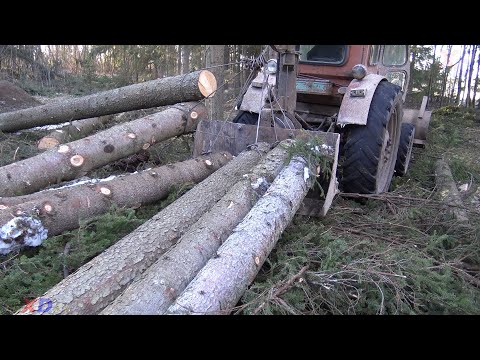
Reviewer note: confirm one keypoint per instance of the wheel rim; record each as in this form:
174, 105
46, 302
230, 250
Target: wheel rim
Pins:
387, 159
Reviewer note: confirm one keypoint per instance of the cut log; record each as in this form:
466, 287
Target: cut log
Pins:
61, 210
76, 130
97, 283
166, 91
220, 284
156, 290
75, 159
448, 192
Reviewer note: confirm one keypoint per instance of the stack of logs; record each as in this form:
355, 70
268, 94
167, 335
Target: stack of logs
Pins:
197, 255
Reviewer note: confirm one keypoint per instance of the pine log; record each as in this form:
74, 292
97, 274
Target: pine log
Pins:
220, 284
61, 210
166, 91
75, 159
447, 189
156, 290
76, 130
96, 284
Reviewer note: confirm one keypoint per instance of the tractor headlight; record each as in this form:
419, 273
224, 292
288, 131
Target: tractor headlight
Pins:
397, 78
272, 66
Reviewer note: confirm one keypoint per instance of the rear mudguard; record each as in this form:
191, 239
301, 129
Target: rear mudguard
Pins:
357, 99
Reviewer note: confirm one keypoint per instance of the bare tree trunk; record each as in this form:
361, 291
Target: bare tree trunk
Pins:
215, 57
186, 49
447, 189
166, 91
445, 74
168, 277
76, 130
73, 160
459, 88
469, 84
220, 284
431, 74
476, 81
100, 281
464, 95
179, 59
61, 210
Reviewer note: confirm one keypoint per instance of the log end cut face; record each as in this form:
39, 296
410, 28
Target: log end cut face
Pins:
207, 83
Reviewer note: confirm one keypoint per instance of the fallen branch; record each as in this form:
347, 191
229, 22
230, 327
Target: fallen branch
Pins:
447, 190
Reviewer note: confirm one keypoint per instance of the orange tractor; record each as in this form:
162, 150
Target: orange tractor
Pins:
349, 96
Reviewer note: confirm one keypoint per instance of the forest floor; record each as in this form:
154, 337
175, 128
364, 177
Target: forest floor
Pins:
397, 253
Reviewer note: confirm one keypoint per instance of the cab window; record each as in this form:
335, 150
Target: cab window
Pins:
394, 55
374, 56
324, 54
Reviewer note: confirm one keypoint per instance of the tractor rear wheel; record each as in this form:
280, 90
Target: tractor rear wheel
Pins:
405, 149
371, 150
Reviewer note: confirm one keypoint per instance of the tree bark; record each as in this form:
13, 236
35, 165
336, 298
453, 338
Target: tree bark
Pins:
97, 283
61, 210
156, 290
190, 87
220, 284
76, 130
448, 192
72, 160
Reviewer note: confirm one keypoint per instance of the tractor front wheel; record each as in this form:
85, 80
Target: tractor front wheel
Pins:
370, 151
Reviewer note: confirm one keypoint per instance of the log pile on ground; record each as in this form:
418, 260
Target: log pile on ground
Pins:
92, 287
75, 159
165, 91
236, 212
50, 213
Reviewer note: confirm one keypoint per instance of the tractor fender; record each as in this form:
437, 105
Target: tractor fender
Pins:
257, 93
356, 104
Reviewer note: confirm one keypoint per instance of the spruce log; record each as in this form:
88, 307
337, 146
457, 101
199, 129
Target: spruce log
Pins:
447, 189
97, 283
61, 210
220, 284
166, 91
158, 286
76, 130
75, 159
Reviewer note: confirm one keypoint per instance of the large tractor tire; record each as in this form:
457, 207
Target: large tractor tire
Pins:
245, 117
405, 147
371, 150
